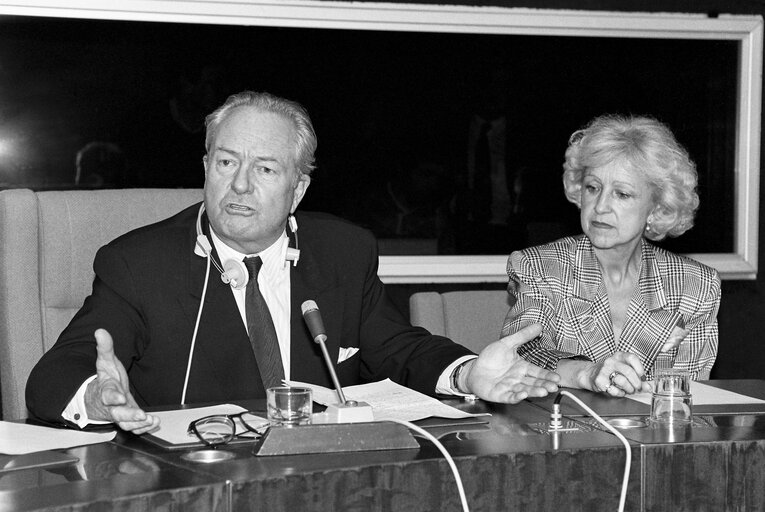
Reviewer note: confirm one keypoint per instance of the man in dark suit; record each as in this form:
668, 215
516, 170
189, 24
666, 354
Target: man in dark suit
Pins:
161, 329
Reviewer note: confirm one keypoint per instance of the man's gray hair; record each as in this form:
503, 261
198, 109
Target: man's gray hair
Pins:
290, 110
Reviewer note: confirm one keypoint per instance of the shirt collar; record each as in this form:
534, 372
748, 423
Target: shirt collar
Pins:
270, 256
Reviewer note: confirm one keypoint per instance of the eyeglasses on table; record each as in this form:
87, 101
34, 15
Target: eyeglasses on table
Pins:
220, 429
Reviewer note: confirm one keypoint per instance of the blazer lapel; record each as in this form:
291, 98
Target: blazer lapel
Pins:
588, 305
649, 324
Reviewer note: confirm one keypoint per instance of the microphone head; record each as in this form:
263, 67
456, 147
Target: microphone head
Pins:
312, 318
308, 305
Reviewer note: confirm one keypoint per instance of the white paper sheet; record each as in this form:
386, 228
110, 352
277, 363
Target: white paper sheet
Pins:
388, 400
20, 438
173, 426
704, 394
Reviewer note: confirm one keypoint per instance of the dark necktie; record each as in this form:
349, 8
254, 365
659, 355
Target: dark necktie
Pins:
260, 326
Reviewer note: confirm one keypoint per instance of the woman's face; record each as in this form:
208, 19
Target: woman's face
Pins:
615, 205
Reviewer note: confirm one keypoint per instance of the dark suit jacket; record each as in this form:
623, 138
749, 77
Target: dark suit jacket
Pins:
146, 294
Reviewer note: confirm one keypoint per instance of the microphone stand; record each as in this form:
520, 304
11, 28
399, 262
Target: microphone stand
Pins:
347, 426
345, 411
332, 372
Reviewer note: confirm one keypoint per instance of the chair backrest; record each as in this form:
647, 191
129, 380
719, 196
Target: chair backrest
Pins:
472, 318
47, 244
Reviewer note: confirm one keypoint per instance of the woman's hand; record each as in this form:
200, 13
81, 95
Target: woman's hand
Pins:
619, 375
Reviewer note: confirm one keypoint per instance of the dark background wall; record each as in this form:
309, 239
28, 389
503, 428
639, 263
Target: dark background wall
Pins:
742, 309
742, 313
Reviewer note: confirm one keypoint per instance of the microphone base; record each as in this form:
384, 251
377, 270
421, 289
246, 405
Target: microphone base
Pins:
345, 413
333, 438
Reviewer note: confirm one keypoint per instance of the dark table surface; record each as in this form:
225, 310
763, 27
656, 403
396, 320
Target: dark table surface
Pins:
509, 463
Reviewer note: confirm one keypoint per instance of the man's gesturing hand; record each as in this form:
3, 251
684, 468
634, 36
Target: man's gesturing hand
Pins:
500, 375
108, 396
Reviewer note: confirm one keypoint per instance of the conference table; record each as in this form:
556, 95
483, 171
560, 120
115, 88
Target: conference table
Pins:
507, 461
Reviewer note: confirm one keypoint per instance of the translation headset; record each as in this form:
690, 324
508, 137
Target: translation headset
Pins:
233, 273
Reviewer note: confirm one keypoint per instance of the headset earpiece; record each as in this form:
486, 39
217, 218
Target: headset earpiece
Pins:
235, 274
292, 255
202, 247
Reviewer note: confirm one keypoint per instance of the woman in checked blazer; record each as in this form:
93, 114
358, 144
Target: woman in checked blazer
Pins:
614, 307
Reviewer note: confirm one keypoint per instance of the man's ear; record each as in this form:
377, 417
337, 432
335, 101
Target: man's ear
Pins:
303, 181
204, 163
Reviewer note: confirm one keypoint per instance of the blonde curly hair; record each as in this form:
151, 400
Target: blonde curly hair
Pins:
640, 145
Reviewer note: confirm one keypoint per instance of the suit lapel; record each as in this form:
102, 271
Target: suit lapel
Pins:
308, 281
221, 335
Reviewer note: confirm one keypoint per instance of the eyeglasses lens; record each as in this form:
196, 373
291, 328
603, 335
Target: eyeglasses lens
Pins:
253, 423
215, 430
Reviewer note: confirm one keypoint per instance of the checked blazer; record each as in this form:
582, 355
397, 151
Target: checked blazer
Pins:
560, 286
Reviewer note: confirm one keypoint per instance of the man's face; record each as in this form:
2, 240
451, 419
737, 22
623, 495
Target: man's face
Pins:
252, 183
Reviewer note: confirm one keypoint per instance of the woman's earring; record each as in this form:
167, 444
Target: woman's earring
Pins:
648, 223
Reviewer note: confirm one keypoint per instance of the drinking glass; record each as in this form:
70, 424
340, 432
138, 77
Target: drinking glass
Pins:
671, 402
288, 406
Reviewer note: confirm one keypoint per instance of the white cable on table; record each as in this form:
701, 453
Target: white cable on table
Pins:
627, 462
448, 458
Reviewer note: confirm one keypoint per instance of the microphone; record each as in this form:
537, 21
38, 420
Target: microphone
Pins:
348, 426
345, 410
312, 318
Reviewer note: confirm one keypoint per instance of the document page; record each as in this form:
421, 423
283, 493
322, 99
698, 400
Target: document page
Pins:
20, 438
704, 394
388, 400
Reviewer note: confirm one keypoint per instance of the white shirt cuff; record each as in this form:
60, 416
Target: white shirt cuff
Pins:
444, 384
76, 412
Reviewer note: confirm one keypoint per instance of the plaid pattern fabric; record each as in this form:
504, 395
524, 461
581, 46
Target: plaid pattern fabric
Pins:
559, 285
